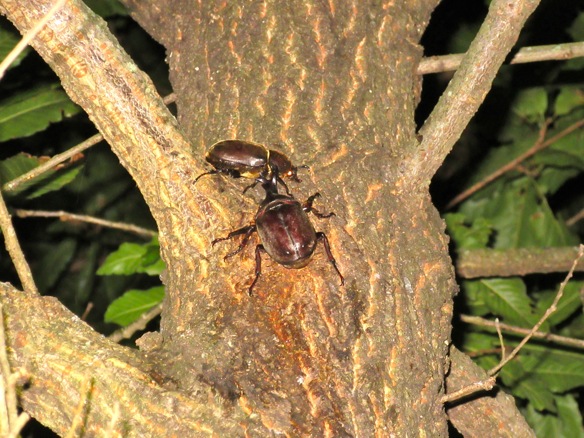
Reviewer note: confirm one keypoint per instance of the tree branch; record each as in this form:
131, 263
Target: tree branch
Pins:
474, 263
120, 100
62, 352
539, 145
493, 413
14, 249
563, 340
552, 52
10, 421
545, 316
66, 216
469, 86
17, 50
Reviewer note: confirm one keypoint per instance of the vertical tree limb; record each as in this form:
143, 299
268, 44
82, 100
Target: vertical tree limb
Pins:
469, 86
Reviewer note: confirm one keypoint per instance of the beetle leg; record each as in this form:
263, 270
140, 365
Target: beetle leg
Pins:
327, 248
307, 207
294, 176
251, 186
281, 181
258, 268
272, 175
232, 173
211, 172
263, 180
248, 231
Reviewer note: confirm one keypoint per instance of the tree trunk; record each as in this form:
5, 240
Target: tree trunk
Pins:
333, 85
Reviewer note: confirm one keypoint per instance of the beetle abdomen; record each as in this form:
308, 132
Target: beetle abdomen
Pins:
246, 158
286, 232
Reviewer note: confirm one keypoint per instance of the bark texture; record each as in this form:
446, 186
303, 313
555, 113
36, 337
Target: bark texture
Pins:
489, 414
333, 85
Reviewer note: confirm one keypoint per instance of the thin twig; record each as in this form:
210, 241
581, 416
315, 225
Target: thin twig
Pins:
168, 99
545, 316
501, 341
88, 309
10, 186
14, 249
574, 219
484, 352
66, 216
51, 163
552, 52
17, 50
139, 324
482, 385
538, 146
563, 340
10, 409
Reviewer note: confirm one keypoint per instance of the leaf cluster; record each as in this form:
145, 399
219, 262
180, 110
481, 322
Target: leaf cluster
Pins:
529, 206
37, 122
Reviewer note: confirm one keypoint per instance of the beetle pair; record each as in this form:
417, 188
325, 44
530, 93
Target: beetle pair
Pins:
282, 224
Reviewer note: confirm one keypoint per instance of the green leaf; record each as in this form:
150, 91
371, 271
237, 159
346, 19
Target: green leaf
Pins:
536, 374
7, 42
32, 111
54, 263
568, 99
468, 237
130, 306
18, 165
132, 258
568, 304
545, 425
576, 327
51, 180
567, 422
462, 38
479, 341
576, 30
531, 104
558, 370
475, 298
521, 217
106, 8
505, 298
570, 417
125, 261
537, 393
55, 181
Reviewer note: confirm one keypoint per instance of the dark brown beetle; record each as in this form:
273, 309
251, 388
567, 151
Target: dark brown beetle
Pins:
285, 231
239, 158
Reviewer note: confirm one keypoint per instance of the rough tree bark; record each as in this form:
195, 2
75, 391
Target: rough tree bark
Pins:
334, 84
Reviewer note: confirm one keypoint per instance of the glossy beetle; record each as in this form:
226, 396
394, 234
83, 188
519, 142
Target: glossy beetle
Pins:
285, 231
239, 158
